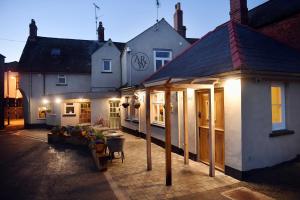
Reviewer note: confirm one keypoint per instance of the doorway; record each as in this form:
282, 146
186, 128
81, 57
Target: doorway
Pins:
85, 113
203, 127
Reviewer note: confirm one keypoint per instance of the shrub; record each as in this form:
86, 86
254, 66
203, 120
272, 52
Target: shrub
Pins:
76, 131
56, 130
100, 137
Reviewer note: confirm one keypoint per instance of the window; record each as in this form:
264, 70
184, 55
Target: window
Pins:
157, 108
61, 79
114, 107
42, 112
69, 109
278, 106
106, 66
55, 52
161, 57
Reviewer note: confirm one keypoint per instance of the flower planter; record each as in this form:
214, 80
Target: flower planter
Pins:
100, 148
54, 138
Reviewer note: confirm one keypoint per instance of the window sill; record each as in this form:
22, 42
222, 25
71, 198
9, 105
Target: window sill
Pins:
69, 115
61, 84
41, 118
279, 133
104, 72
158, 125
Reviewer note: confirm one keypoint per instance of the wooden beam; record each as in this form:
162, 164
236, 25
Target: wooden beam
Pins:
148, 130
185, 127
168, 136
212, 131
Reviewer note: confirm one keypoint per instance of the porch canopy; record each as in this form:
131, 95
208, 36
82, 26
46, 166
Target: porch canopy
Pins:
230, 50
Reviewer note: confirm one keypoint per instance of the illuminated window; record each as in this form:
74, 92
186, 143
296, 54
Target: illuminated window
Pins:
157, 108
42, 112
161, 57
114, 110
69, 109
278, 106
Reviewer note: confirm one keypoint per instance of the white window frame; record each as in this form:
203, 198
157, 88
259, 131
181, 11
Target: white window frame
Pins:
160, 58
157, 105
59, 76
282, 125
42, 109
69, 106
103, 69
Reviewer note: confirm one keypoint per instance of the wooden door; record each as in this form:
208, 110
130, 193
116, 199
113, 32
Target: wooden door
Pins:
85, 113
203, 122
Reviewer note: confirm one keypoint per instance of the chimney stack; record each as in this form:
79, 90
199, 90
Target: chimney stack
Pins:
100, 32
239, 11
178, 21
32, 29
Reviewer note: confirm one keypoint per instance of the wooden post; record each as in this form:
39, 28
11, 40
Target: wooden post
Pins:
212, 132
185, 127
148, 130
168, 136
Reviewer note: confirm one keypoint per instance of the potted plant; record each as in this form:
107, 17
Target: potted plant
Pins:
100, 143
137, 105
125, 105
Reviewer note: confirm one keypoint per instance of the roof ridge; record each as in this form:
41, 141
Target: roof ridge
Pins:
236, 54
183, 52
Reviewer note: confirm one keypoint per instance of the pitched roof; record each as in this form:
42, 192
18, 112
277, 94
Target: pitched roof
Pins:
272, 11
2, 56
228, 48
12, 66
57, 55
192, 40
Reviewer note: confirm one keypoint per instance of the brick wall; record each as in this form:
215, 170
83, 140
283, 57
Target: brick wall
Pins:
286, 31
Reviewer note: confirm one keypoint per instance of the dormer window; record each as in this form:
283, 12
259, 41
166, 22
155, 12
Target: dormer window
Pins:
106, 66
55, 52
61, 79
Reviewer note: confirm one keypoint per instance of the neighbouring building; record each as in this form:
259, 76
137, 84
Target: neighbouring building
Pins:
2, 59
231, 100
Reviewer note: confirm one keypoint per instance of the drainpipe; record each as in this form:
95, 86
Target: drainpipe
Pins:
7, 97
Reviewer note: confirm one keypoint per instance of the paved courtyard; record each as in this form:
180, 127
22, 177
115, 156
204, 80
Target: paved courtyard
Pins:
192, 181
32, 169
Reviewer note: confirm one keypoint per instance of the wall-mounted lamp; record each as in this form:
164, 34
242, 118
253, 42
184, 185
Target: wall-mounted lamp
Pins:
45, 101
57, 100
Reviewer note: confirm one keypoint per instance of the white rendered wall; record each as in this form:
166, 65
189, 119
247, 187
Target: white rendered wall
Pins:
233, 123
259, 149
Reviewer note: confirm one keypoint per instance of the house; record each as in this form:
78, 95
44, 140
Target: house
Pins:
2, 59
68, 81
144, 55
232, 99
55, 78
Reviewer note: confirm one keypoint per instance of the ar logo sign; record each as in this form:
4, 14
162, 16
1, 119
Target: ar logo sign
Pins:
140, 61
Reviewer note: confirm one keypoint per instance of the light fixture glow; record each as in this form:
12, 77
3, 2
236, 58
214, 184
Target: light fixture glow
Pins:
57, 100
45, 101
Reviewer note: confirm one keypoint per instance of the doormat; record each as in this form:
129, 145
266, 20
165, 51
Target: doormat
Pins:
242, 193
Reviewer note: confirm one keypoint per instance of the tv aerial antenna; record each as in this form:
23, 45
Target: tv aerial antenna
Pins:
96, 16
157, 8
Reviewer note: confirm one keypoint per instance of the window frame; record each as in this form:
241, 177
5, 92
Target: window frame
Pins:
59, 76
42, 109
155, 58
103, 66
69, 106
282, 124
157, 104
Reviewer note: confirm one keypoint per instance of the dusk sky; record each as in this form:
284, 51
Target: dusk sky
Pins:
122, 19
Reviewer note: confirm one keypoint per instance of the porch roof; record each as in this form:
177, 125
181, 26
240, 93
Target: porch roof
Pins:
230, 47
